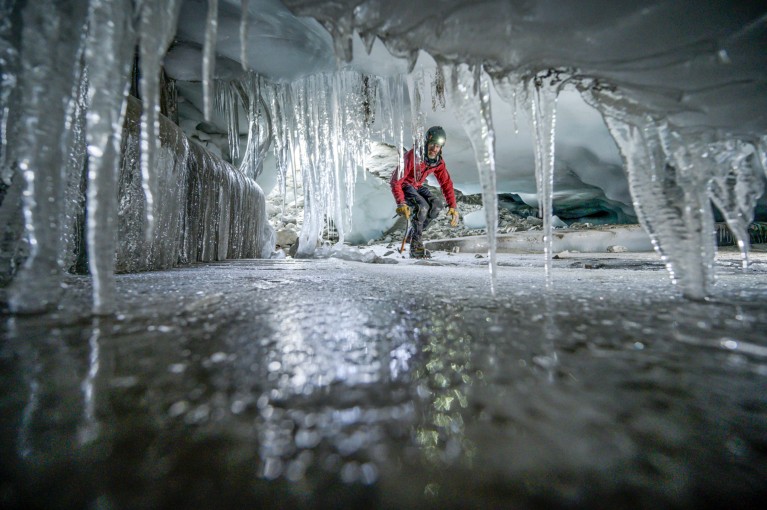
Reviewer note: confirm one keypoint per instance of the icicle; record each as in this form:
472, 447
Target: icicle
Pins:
51, 42
227, 104
670, 197
475, 114
244, 34
736, 186
369, 100
544, 100
157, 27
368, 39
109, 54
252, 162
514, 112
417, 117
399, 107
385, 112
438, 90
510, 87
209, 58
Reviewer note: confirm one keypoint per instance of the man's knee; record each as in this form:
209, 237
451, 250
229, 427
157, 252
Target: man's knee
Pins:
435, 206
421, 213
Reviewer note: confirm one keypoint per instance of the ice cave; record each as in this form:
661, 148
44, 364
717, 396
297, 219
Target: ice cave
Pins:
204, 298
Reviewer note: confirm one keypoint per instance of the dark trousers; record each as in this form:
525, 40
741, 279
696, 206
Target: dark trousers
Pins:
425, 208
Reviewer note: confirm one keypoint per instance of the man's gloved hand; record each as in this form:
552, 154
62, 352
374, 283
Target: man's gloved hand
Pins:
453, 217
403, 210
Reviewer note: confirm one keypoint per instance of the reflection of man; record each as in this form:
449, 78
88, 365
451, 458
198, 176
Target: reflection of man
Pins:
409, 190
446, 372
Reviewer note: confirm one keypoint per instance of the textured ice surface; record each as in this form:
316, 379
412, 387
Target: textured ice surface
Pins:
331, 383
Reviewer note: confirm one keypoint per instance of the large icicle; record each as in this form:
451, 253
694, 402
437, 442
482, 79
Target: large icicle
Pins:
109, 51
542, 90
540, 93
736, 186
51, 41
473, 110
227, 102
209, 58
415, 86
259, 136
157, 28
244, 34
670, 196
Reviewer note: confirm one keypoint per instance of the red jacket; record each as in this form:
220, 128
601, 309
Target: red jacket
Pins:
417, 178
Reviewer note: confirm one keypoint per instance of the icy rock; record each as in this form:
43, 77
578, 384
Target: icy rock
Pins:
286, 236
532, 220
617, 249
384, 260
557, 223
475, 219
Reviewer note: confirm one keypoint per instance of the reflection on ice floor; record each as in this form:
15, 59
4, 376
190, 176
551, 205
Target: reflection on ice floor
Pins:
331, 383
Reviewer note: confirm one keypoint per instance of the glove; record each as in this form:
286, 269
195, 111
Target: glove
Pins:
453, 217
404, 210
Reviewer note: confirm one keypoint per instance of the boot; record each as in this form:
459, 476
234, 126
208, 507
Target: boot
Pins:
417, 250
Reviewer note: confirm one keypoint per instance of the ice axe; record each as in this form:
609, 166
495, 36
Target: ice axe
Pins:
404, 238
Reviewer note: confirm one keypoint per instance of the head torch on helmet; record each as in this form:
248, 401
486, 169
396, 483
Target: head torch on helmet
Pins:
437, 135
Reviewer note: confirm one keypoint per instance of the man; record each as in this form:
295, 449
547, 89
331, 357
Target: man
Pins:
409, 190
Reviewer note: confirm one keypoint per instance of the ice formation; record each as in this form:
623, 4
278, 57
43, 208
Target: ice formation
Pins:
469, 92
680, 85
650, 69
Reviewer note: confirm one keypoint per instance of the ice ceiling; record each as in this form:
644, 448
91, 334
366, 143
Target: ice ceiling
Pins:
654, 109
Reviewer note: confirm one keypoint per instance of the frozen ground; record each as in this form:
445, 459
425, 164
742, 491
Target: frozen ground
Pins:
338, 384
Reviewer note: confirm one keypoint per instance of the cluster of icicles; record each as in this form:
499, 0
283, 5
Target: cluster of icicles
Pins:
320, 126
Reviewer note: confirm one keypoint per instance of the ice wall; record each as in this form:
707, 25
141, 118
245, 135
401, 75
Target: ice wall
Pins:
63, 103
206, 210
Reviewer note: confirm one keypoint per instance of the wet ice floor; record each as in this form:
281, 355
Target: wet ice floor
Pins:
333, 384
